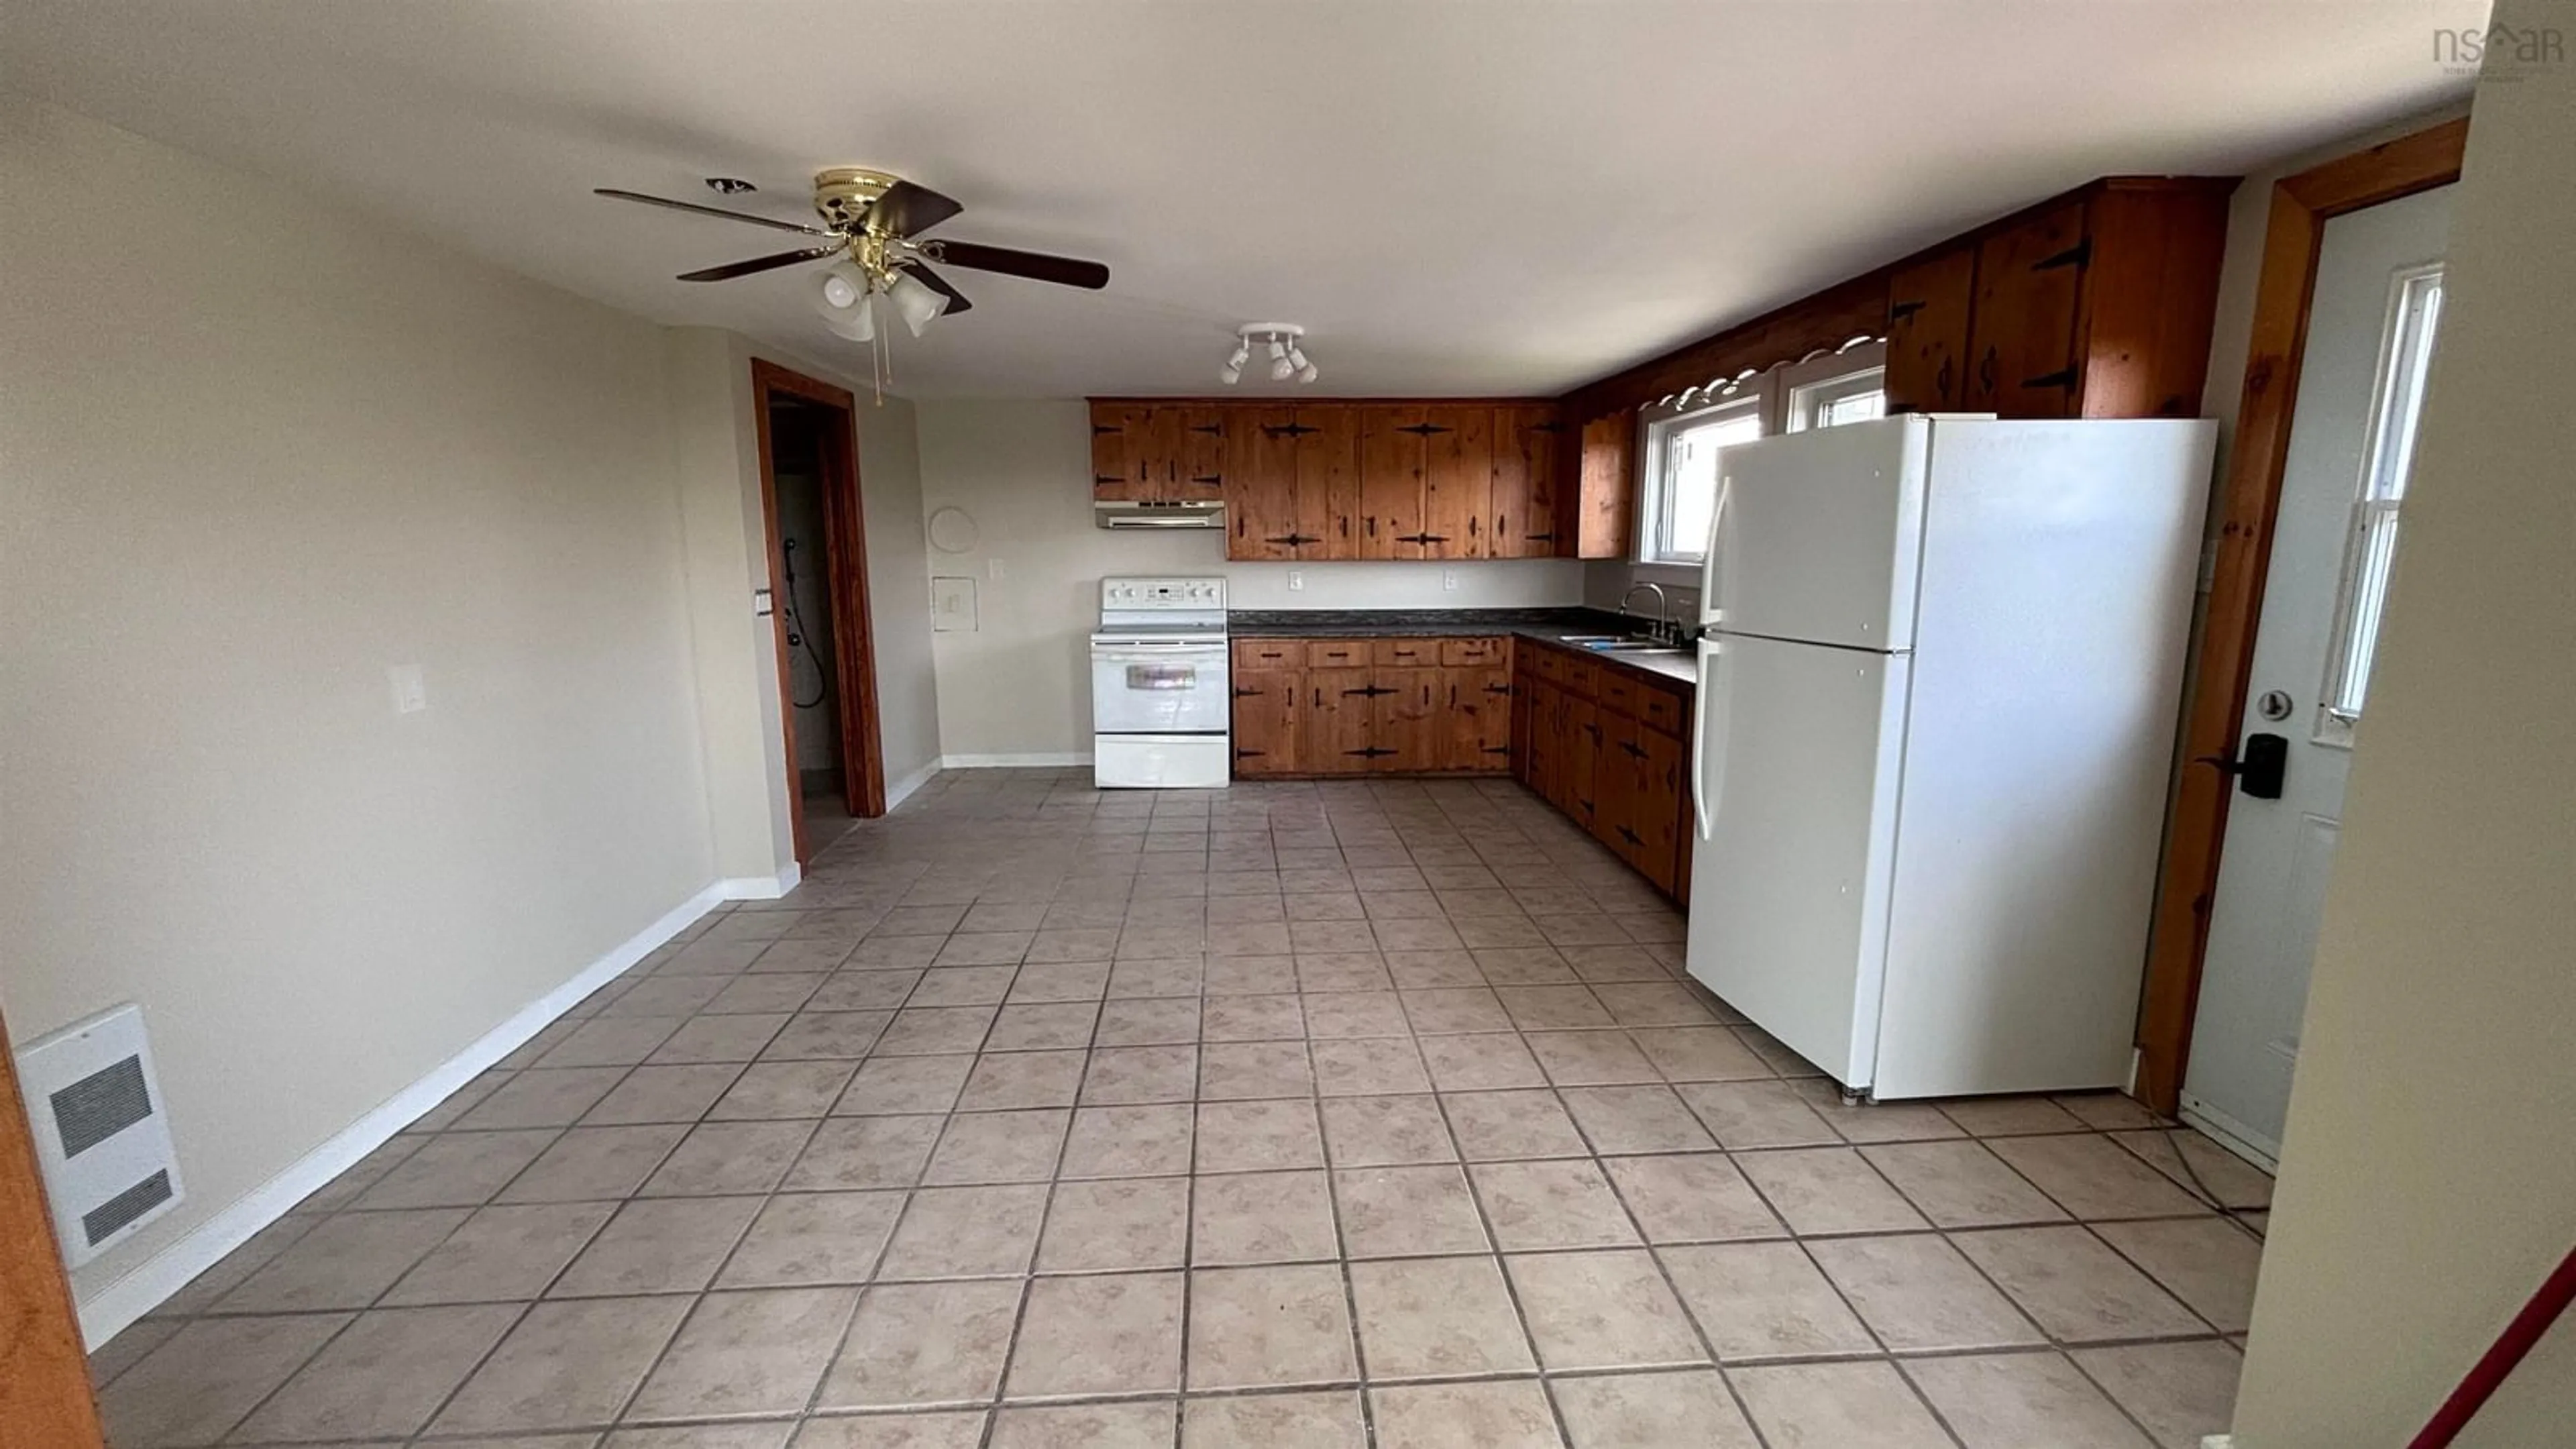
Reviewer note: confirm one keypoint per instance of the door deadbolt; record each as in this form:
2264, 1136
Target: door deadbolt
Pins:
2274, 706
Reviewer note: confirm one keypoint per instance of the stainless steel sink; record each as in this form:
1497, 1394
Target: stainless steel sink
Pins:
1630, 646
1587, 639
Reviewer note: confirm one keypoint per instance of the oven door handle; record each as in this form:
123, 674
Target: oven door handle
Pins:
1157, 654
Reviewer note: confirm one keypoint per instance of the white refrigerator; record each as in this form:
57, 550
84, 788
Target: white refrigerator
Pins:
1939, 686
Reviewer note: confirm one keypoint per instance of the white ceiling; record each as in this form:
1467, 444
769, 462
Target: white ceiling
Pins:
1455, 198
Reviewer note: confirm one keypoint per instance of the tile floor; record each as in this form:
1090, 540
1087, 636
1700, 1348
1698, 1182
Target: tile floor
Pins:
1281, 1116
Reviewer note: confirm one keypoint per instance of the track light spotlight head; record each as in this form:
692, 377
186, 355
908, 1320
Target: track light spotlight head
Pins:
1309, 373
1230, 374
1278, 349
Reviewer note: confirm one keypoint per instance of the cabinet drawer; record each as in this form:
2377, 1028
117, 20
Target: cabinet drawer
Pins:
1269, 653
1473, 651
1582, 677
1617, 690
1664, 710
1336, 653
1405, 653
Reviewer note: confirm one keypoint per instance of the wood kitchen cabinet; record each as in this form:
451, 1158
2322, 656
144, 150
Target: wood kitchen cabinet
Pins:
1408, 706
1269, 721
1317, 482
1927, 331
2096, 304
1604, 506
1606, 745
1158, 453
1521, 509
1292, 483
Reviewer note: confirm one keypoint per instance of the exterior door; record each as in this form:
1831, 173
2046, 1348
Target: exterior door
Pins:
2360, 382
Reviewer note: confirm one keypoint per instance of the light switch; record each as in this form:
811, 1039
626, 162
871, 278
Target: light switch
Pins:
411, 691
952, 605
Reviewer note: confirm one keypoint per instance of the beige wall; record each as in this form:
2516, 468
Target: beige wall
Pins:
898, 590
1020, 685
2429, 1181
251, 461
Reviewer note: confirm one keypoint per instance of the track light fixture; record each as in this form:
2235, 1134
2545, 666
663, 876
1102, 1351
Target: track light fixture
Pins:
1281, 342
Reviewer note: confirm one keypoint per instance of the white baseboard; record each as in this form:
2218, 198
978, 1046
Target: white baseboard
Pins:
107, 1312
898, 791
1007, 762
760, 887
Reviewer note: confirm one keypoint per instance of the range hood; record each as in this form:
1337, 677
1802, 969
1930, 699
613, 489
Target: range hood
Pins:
1192, 514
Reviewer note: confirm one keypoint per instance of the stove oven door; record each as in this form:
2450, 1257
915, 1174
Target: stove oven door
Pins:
1159, 689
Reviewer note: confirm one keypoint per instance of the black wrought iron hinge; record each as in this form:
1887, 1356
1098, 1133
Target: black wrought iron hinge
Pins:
1899, 311
2065, 377
1372, 692
1213, 430
1100, 478
1210, 479
1498, 749
1371, 753
1539, 537
1248, 754
1101, 429
1630, 836
1289, 430
1630, 746
1547, 427
1498, 689
1241, 693
1293, 539
1424, 430
2074, 256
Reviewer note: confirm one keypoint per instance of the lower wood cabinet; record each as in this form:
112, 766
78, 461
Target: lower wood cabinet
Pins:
1604, 744
1413, 706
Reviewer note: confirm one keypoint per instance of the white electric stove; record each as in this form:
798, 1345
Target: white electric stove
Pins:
1162, 709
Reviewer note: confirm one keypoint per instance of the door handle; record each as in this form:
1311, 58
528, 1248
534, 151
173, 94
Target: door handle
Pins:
2259, 770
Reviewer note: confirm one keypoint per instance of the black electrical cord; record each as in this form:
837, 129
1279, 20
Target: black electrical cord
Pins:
796, 635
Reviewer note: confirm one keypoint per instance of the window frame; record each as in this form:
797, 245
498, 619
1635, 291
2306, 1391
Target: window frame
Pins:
1757, 397
1852, 372
2407, 340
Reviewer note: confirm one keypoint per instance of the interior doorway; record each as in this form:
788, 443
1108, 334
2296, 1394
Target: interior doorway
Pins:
817, 539
2372, 324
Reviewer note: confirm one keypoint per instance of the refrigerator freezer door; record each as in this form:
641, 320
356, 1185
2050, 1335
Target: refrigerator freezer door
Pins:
1796, 774
1819, 535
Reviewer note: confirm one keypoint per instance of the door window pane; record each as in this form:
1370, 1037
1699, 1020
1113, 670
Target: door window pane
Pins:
2414, 314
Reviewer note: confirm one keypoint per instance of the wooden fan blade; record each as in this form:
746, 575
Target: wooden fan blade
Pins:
710, 211
731, 270
907, 210
1037, 266
956, 299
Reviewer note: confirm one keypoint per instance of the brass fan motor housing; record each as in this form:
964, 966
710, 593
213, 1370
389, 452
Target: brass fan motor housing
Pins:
844, 194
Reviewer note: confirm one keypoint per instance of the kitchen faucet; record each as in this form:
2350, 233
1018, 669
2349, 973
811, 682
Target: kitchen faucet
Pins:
1662, 631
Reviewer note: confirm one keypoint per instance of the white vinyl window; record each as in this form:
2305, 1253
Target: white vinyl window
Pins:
2405, 354
1681, 473
1853, 397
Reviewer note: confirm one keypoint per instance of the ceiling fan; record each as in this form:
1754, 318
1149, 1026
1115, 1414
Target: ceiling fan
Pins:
872, 221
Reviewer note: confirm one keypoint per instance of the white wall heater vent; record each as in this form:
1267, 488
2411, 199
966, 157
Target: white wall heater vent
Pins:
101, 1134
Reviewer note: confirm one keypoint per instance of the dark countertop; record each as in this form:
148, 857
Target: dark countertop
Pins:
1547, 625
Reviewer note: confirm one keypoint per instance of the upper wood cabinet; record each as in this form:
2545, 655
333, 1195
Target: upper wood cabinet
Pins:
2099, 304
1927, 330
1605, 501
1346, 480
1157, 453
1291, 482
1521, 517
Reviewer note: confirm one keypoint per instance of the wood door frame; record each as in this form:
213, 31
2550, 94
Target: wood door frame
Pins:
45, 1395
845, 541
2196, 825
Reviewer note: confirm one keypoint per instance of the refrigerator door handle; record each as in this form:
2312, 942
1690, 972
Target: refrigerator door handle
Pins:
1709, 612
1700, 790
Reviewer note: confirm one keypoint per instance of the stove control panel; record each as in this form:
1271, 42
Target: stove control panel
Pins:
1124, 595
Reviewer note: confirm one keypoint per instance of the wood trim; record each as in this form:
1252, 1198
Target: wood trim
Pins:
2249, 504
1277, 400
853, 639
45, 1396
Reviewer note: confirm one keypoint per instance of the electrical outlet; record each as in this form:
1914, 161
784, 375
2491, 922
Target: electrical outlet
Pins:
1296, 581
411, 690
1449, 580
